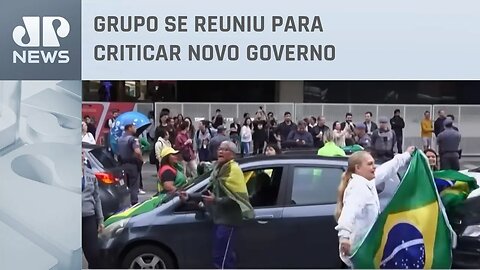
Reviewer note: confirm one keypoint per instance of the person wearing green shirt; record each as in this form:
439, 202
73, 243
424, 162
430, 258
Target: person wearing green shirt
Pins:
330, 149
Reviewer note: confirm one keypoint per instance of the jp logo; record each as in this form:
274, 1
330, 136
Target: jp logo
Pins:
405, 248
49, 31
32, 28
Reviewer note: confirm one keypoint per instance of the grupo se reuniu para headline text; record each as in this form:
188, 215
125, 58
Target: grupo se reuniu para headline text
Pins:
208, 25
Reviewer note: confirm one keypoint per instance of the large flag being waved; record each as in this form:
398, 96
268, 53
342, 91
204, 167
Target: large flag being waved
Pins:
454, 187
413, 231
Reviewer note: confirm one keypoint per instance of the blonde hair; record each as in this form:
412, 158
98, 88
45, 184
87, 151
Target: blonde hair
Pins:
355, 159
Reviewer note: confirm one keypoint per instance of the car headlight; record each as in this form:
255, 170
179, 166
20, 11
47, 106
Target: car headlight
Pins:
114, 229
472, 231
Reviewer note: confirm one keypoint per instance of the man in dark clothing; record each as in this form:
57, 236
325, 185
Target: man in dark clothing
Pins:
163, 124
363, 139
300, 137
349, 121
383, 141
286, 127
370, 126
129, 155
270, 127
323, 129
439, 126
217, 120
451, 117
314, 129
448, 143
398, 125
216, 141
227, 201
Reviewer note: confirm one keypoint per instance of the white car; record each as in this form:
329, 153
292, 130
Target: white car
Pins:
476, 174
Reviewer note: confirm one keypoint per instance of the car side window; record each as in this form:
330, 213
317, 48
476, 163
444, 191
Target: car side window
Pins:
313, 185
263, 186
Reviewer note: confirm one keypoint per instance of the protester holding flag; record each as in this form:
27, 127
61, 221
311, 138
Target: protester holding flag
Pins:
358, 205
453, 187
412, 232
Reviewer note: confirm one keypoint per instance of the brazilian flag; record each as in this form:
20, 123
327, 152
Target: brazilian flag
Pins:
137, 209
454, 187
413, 231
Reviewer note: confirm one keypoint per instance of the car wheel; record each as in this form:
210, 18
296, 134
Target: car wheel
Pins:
148, 257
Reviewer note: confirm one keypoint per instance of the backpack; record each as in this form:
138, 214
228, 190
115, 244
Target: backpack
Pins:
384, 142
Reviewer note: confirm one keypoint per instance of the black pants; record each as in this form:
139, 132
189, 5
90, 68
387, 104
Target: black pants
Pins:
140, 165
450, 161
258, 147
157, 164
90, 245
133, 181
203, 154
399, 144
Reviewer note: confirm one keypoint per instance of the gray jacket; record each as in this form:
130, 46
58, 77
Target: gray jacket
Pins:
91, 204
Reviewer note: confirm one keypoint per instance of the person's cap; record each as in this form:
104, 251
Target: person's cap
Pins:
360, 125
168, 151
448, 122
221, 128
383, 120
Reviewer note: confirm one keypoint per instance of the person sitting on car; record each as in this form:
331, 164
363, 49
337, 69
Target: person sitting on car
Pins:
170, 174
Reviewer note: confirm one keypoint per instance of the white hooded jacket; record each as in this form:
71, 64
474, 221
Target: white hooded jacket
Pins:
361, 205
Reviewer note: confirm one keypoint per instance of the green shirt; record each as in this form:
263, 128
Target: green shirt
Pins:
330, 149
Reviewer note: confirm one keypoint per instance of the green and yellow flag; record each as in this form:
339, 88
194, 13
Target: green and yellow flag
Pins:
454, 187
413, 230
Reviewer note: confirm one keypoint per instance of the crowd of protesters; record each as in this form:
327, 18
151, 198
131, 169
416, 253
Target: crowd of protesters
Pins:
180, 151
252, 135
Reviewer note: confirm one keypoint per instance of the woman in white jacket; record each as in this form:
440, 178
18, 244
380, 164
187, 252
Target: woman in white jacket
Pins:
358, 205
246, 137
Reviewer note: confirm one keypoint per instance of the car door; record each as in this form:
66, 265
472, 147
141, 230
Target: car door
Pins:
309, 214
258, 239
194, 230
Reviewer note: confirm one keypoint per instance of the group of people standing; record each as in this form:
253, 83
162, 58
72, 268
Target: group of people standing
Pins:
447, 137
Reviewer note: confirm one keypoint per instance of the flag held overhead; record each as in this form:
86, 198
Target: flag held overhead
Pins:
413, 230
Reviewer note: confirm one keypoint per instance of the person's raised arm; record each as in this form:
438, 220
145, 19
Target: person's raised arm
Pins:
389, 169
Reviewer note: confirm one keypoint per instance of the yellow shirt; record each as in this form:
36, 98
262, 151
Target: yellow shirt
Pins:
427, 128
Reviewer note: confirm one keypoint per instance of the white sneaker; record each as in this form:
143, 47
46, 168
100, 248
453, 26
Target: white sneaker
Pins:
141, 192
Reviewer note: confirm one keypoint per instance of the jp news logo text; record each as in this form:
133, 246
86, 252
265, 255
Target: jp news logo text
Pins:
40, 39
